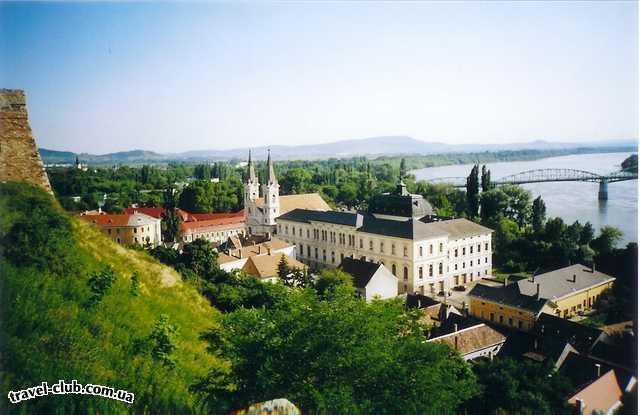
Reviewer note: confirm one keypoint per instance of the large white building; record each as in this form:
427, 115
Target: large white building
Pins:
426, 254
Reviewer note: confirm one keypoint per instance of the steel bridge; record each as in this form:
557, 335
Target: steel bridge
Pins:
550, 175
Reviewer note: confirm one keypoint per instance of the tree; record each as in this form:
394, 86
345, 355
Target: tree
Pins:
171, 220
554, 230
348, 194
99, 284
135, 284
518, 203
630, 164
473, 200
607, 240
162, 341
523, 387
485, 179
329, 355
403, 168
493, 206
284, 271
587, 234
329, 281
538, 214
200, 258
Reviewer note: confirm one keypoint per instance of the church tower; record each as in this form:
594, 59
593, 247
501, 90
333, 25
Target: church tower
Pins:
271, 192
251, 194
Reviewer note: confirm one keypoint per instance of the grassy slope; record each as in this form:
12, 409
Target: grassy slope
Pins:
48, 333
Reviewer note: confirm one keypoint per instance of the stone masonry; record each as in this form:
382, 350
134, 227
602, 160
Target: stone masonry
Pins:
19, 157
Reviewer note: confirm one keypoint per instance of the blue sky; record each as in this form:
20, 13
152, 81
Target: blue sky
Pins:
172, 77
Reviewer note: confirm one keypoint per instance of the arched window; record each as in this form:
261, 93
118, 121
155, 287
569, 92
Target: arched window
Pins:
393, 268
420, 251
406, 273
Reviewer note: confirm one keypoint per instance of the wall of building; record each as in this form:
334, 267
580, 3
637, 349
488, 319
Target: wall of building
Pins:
502, 314
324, 245
135, 235
382, 285
213, 234
580, 301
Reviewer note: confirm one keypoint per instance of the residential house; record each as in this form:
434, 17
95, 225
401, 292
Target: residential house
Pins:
371, 280
128, 229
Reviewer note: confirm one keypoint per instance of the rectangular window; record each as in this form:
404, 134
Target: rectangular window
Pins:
370, 245
464, 251
382, 247
420, 251
361, 243
492, 317
486, 246
440, 247
479, 247
455, 253
471, 249
420, 272
430, 249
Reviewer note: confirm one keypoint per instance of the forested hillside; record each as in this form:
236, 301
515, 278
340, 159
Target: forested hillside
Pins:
74, 305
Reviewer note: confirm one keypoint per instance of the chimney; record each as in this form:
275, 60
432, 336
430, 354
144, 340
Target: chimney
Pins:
455, 328
598, 370
573, 279
259, 249
579, 406
239, 253
593, 266
419, 302
537, 291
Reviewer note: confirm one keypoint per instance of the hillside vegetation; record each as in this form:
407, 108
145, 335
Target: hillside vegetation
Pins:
75, 305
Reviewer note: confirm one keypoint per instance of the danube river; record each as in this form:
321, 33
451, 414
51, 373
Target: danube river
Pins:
569, 200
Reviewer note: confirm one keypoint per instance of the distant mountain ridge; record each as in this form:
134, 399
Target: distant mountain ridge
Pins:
370, 147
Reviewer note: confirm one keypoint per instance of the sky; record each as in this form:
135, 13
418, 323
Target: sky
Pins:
173, 77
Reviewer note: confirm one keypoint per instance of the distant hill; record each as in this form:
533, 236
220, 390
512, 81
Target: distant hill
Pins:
369, 147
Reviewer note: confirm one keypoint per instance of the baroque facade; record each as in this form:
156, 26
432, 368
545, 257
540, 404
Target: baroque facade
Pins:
426, 254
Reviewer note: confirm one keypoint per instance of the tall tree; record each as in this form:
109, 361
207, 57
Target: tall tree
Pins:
170, 218
473, 198
538, 214
403, 168
485, 179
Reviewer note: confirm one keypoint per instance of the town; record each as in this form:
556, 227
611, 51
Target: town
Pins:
441, 266
286, 208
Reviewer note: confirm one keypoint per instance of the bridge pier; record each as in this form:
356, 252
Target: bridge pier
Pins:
603, 190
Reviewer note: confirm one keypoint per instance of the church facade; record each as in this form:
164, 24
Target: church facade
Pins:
263, 204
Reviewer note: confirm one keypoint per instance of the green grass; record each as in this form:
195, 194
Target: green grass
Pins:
49, 332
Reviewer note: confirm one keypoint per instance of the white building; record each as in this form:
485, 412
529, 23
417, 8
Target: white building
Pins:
400, 232
371, 279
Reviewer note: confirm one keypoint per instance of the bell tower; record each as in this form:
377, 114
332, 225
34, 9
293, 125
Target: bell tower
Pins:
271, 192
251, 194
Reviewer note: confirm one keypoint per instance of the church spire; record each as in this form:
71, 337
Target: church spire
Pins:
271, 175
251, 173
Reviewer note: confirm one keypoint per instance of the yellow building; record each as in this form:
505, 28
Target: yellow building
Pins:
564, 293
129, 228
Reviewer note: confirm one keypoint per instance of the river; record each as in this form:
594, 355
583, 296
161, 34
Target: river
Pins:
569, 200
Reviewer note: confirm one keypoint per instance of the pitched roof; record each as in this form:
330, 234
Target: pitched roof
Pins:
266, 266
559, 283
120, 220
509, 295
553, 285
330, 216
460, 228
410, 229
361, 271
213, 224
471, 339
310, 201
274, 245
155, 212
581, 370
601, 395
580, 336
